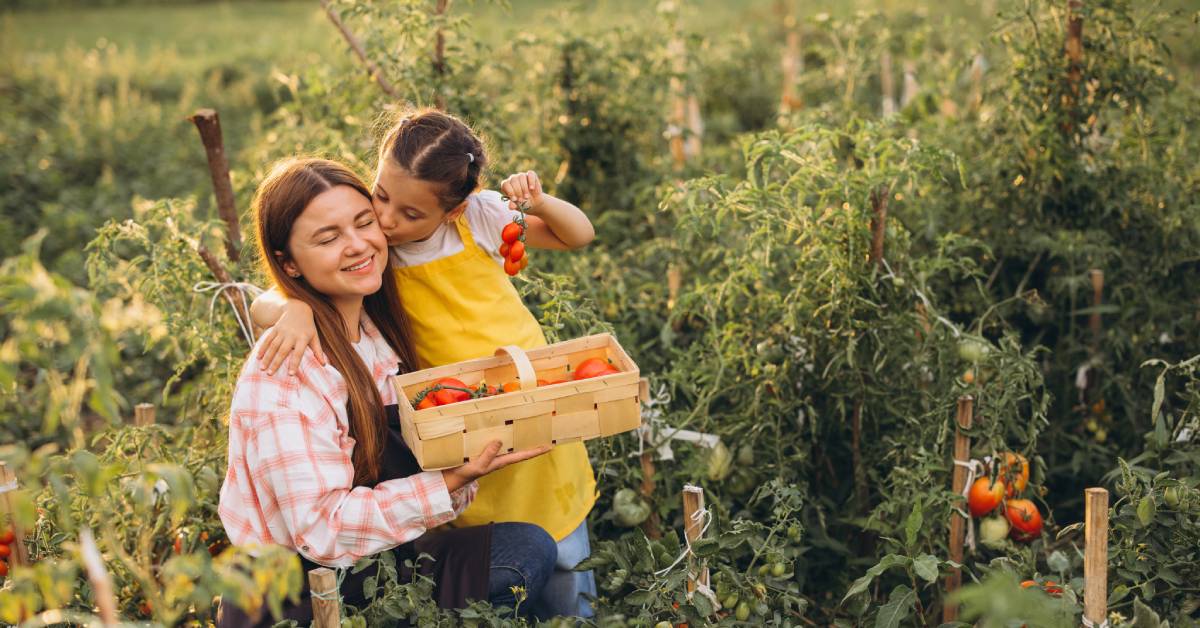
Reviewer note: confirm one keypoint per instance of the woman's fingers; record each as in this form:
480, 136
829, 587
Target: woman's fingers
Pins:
270, 338
280, 356
315, 344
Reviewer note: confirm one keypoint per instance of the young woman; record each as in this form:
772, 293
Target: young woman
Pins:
446, 259
316, 460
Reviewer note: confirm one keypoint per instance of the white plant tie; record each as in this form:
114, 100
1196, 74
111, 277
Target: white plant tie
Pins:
335, 594
9, 487
703, 517
1091, 624
973, 467
219, 289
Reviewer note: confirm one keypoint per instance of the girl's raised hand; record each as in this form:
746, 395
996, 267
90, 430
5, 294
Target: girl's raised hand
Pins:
522, 187
287, 340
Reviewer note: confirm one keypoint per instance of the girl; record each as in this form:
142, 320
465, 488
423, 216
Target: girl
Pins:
445, 239
317, 462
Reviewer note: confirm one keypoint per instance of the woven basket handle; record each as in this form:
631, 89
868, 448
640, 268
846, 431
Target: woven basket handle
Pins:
524, 366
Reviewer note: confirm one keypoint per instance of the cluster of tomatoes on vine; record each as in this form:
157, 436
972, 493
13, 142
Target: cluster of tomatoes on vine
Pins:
7, 537
1020, 518
448, 390
512, 247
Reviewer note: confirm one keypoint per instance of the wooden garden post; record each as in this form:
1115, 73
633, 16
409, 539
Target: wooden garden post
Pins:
8, 515
98, 577
209, 125
693, 529
958, 524
1095, 556
1097, 277
887, 83
326, 599
879, 207
792, 61
651, 526
143, 414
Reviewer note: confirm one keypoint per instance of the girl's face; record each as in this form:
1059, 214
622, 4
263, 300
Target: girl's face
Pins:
336, 245
407, 207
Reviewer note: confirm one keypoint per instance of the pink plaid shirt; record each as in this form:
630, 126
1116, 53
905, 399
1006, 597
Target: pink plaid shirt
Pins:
290, 479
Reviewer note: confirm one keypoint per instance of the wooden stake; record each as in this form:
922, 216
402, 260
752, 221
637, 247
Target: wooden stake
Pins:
101, 581
792, 61
1097, 277
695, 129
860, 473
8, 516
958, 525
143, 414
887, 83
209, 125
693, 529
678, 122
360, 52
222, 276
651, 526
439, 52
911, 86
1074, 50
879, 205
977, 65
1095, 555
327, 611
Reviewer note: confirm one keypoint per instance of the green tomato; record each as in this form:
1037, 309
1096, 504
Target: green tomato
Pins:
778, 569
663, 624
720, 462
745, 455
993, 531
1171, 496
629, 507
793, 533
730, 601
743, 611
763, 569
769, 351
972, 350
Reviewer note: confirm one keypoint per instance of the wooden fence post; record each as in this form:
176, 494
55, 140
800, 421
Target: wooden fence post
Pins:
8, 515
209, 125
326, 599
143, 414
98, 577
887, 83
651, 526
958, 525
911, 86
693, 529
792, 61
1097, 277
879, 206
1095, 556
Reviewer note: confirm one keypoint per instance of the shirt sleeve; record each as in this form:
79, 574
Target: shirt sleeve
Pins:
487, 215
300, 459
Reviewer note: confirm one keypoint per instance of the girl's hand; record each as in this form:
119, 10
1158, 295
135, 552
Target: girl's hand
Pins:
522, 187
488, 461
288, 339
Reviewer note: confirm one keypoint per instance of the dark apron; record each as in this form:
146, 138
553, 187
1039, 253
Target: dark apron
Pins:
462, 556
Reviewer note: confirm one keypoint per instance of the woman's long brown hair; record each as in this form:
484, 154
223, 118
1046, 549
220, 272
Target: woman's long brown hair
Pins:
281, 198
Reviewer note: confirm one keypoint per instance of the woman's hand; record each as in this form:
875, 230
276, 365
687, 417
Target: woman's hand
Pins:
486, 462
522, 187
288, 339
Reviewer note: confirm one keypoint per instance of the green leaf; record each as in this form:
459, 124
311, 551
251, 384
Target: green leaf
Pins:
1144, 616
912, 525
706, 547
885, 563
926, 567
1145, 511
898, 607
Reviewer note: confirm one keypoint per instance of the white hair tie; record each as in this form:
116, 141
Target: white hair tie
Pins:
470, 158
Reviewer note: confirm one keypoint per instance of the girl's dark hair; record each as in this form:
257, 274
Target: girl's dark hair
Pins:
437, 147
279, 201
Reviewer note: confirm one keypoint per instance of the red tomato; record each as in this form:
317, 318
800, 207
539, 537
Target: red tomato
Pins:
590, 367
1028, 583
511, 267
524, 262
511, 232
1025, 519
3, 568
427, 402
504, 249
1015, 472
178, 545
7, 537
517, 251
984, 496
511, 387
542, 382
448, 395
5, 551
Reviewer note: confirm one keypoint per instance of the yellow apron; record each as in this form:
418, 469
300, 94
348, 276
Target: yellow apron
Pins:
463, 307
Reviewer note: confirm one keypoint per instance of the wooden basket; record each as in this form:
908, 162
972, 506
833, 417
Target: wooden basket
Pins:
447, 436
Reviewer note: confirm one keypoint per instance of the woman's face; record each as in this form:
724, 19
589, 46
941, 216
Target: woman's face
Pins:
336, 245
407, 207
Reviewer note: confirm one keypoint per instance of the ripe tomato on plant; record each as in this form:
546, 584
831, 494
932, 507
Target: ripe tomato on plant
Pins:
1025, 518
3, 568
7, 537
1015, 472
984, 496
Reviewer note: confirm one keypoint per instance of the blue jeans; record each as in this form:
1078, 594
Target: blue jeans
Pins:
563, 594
523, 555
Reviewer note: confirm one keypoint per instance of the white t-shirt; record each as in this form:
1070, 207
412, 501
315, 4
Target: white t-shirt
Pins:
486, 214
